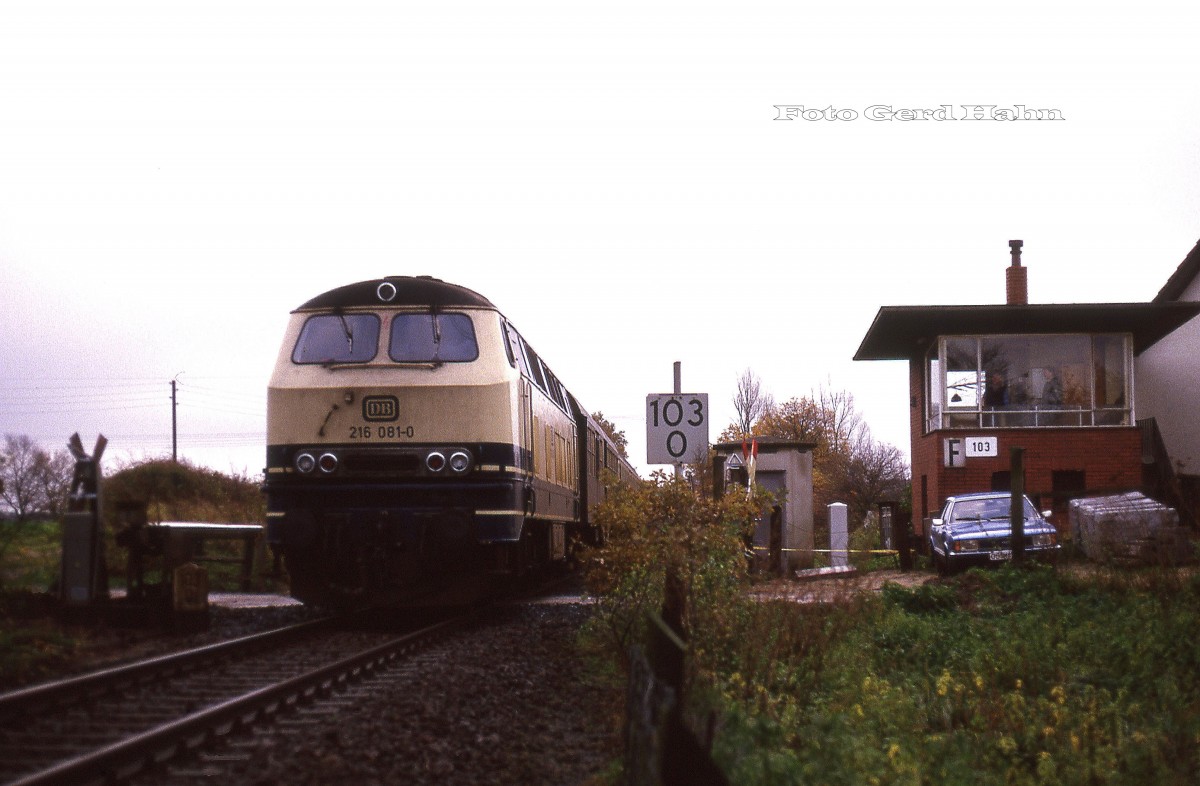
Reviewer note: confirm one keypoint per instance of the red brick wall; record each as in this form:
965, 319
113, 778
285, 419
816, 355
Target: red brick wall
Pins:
1110, 457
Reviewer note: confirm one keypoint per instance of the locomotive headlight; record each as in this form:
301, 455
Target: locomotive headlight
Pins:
328, 463
435, 462
305, 463
460, 462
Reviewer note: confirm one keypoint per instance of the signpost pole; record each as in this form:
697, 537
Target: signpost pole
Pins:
677, 390
1017, 506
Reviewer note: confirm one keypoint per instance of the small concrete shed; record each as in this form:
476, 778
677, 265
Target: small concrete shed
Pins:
783, 540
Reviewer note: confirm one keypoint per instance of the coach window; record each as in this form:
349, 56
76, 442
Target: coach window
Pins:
433, 338
338, 338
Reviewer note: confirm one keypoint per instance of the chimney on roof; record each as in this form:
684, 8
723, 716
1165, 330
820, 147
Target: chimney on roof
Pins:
1017, 278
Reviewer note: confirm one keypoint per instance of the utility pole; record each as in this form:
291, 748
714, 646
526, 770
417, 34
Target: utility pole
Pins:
174, 424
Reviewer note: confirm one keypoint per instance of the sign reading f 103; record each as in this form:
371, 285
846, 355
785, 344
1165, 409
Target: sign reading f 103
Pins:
676, 427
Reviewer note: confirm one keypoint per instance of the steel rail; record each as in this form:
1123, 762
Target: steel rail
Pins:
36, 699
130, 756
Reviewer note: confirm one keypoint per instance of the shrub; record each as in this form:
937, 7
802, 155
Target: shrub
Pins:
664, 537
180, 491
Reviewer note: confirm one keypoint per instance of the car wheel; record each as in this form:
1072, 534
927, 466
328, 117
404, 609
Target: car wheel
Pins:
940, 562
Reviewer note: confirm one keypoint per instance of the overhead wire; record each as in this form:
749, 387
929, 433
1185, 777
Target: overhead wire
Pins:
73, 396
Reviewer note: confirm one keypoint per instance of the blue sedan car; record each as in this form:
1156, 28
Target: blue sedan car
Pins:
974, 529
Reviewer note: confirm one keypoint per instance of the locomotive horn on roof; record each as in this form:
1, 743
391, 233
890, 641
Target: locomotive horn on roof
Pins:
386, 291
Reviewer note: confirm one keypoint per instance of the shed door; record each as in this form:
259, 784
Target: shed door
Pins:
773, 482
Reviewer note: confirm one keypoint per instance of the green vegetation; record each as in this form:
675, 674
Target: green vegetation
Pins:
32, 559
30, 652
1011, 676
661, 528
180, 491
32, 646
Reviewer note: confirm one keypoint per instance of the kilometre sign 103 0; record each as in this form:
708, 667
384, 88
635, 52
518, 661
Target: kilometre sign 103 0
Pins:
676, 427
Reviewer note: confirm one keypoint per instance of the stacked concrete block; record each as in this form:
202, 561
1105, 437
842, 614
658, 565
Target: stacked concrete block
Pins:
1128, 528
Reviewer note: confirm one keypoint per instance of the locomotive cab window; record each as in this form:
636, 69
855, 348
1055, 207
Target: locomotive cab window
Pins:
338, 338
433, 338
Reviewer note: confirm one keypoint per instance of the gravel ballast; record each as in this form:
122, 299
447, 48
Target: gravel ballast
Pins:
507, 701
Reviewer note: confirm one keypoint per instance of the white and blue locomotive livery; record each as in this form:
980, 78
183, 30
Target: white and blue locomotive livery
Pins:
416, 442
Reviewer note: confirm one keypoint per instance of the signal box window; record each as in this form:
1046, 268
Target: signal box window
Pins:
1030, 381
338, 338
433, 338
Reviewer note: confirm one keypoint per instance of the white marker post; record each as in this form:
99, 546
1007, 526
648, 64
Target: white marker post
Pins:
839, 536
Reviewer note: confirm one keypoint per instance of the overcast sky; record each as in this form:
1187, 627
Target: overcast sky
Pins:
175, 177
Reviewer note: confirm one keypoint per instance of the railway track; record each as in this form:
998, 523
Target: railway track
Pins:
111, 725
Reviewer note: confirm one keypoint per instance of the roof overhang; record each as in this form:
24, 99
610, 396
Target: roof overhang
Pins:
766, 445
903, 332
1179, 281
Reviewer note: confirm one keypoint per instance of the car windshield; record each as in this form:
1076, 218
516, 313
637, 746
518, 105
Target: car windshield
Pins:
433, 338
993, 509
338, 338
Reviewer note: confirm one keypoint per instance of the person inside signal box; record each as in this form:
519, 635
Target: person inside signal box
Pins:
995, 394
1052, 390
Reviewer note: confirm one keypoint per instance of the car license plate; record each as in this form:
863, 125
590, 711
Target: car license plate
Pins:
997, 556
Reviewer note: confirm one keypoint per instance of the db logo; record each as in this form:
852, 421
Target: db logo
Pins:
381, 409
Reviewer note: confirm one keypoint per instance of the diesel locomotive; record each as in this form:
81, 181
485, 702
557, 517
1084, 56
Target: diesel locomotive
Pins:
417, 447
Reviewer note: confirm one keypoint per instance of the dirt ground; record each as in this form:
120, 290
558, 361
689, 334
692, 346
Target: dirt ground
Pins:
828, 589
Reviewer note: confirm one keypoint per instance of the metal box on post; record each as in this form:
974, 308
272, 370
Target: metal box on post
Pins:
83, 578
78, 559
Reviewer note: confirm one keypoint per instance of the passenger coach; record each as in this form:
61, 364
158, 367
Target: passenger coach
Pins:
415, 439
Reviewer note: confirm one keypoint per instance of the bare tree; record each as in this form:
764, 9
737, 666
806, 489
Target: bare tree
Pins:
750, 402
848, 464
32, 482
843, 426
18, 474
876, 472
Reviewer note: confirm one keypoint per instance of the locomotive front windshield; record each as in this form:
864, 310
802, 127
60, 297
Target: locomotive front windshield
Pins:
338, 338
414, 338
433, 338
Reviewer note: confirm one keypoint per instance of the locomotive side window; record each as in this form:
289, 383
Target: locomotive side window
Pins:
515, 353
553, 387
433, 338
535, 365
338, 338
508, 347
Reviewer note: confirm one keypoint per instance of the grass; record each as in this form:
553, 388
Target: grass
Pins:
33, 558
1009, 676
1005, 677
32, 645
32, 562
